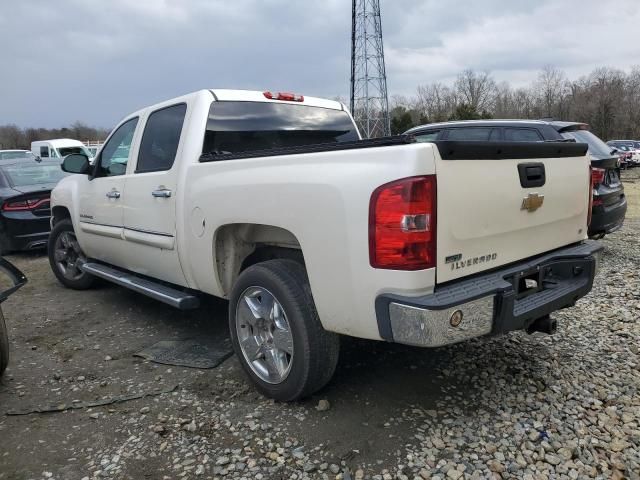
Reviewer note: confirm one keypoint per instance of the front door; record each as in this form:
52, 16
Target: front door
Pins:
101, 197
150, 204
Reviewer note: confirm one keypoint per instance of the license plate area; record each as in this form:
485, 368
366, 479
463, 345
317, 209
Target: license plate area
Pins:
545, 277
528, 283
612, 178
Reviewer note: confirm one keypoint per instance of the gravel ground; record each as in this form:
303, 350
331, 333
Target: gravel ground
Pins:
525, 406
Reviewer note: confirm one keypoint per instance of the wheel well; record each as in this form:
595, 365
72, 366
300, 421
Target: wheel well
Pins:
240, 245
59, 213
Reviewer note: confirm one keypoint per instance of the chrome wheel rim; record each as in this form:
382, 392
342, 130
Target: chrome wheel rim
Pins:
264, 335
68, 256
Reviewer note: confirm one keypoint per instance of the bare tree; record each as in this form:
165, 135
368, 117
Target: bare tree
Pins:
399, 101
551, 89
607, 99
435, 102
631, 103
504, 101
523, 103
598, 101
476, 89
11, 137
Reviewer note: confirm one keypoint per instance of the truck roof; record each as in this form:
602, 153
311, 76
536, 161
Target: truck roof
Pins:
230, 95
60, 142
226, 95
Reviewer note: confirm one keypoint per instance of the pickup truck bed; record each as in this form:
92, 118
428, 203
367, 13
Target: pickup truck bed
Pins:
386, 239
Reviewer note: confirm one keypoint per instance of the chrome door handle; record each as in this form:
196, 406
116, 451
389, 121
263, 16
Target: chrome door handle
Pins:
162, 193
113, 194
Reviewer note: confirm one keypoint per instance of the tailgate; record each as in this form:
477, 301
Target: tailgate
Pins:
503, 202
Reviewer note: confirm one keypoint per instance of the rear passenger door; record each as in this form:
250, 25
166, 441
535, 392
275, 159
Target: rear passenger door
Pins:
151, 190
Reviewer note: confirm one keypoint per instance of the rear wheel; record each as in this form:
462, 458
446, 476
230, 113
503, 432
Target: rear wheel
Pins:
66, 256
4, 344
276, 332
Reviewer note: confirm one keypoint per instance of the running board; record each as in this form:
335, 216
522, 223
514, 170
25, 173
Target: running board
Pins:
171, 296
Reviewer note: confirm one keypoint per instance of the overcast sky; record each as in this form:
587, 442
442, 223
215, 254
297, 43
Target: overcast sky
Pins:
95, 61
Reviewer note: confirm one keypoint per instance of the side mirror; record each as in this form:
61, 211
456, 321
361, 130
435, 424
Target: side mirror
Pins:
118, 168
76, 163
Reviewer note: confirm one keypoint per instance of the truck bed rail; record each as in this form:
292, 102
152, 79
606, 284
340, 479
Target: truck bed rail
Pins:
321, 147
449, 149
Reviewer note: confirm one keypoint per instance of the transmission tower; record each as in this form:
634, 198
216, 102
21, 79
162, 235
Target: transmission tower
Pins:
369, 102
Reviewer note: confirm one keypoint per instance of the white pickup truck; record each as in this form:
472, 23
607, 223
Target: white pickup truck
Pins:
272, 201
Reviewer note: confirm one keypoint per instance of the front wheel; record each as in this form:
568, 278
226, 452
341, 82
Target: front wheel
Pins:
5, 241
66, 256
276, 332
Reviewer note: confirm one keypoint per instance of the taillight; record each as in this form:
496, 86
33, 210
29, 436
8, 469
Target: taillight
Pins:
288, 97
29, 204
597, 176
402, 224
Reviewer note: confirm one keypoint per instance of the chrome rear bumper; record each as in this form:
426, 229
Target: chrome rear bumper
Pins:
511, 298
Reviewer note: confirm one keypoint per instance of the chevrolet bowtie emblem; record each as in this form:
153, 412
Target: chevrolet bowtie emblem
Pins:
532, 202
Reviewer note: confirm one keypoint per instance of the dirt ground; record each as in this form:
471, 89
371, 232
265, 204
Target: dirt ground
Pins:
59, 335
69, 347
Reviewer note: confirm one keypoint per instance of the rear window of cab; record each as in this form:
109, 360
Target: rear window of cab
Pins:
237, 127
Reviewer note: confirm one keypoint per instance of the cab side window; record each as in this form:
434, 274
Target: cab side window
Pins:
115, 153
426, 137
521, 135
44, 152
161, 138
470, 134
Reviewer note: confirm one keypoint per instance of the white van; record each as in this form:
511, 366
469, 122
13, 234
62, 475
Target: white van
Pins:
58, 148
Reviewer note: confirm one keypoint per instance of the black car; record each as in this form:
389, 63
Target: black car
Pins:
25, 188
609, 201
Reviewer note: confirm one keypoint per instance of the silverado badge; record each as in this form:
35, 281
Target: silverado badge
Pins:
532, 202
457, 262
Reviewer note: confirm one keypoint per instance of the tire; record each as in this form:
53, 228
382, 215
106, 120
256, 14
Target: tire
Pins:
313, 351
4, 345
71, 276
5, 245
5, 241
